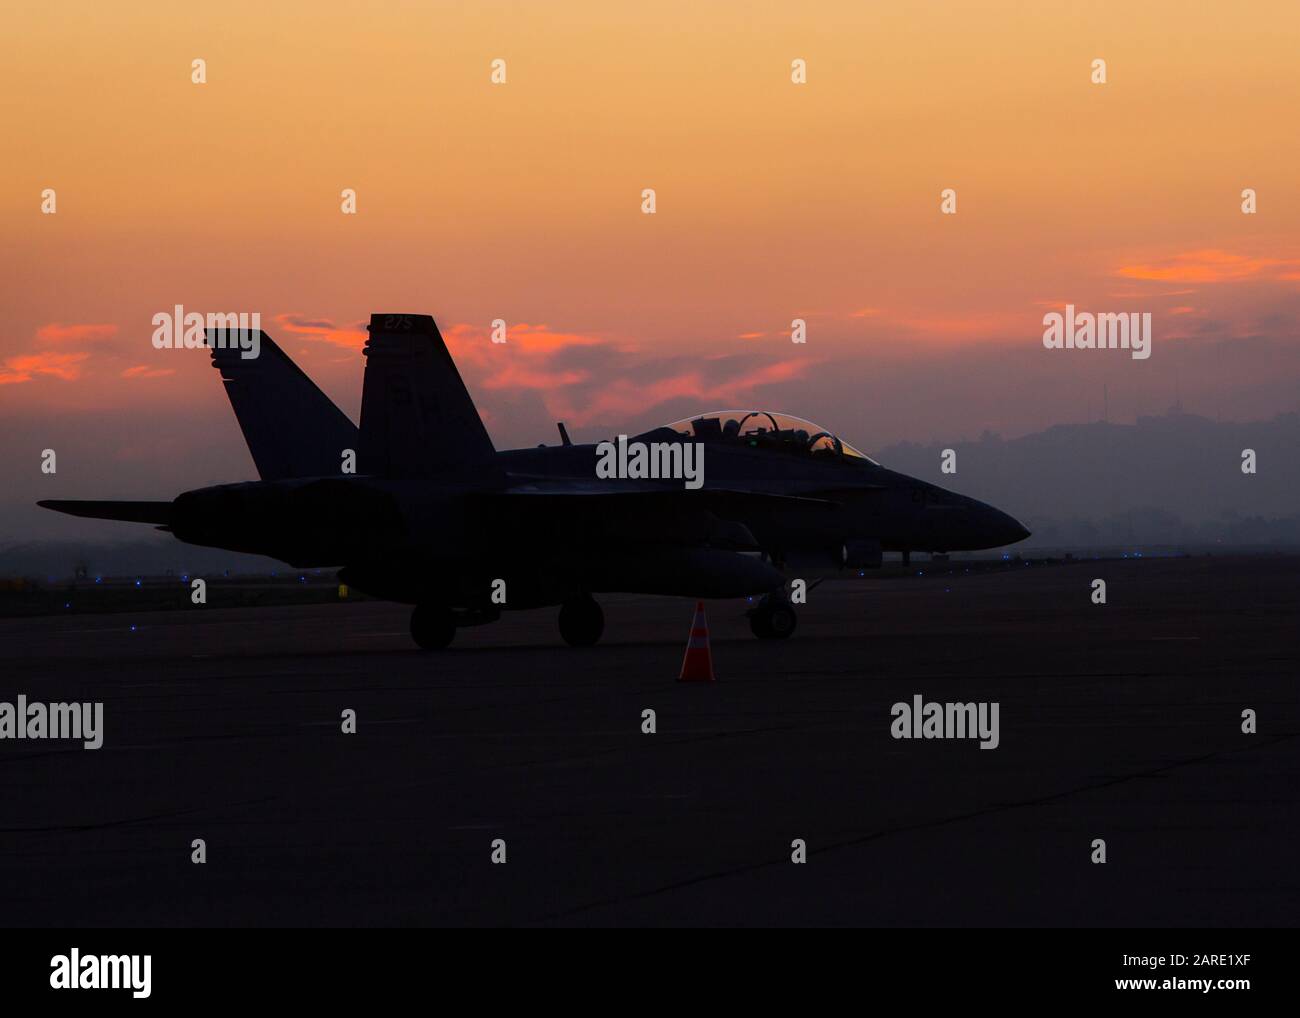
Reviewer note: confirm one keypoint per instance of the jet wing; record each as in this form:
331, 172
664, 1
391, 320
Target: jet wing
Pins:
158, 513
645, 511
583, 489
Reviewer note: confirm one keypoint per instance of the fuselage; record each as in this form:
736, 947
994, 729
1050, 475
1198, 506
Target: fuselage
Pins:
525, 519
873, 503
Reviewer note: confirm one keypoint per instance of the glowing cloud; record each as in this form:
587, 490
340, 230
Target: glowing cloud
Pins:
60, 332
25, 367
1213, 265
320, 329
628, 397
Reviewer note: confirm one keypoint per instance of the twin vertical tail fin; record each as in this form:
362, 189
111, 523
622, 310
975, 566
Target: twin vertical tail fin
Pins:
291, 427
417, 418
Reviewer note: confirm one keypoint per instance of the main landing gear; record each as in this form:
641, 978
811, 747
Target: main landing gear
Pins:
772, 618
581, 621
433, 626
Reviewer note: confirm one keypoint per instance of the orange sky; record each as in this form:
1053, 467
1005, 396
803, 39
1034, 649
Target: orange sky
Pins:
522, 202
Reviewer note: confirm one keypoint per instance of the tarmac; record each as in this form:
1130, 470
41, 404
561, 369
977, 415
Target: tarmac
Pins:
1120, 722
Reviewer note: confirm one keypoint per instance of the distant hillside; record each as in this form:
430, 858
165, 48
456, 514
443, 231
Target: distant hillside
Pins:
1168, 480
155, 555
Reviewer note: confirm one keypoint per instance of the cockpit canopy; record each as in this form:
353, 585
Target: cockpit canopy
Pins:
760, 429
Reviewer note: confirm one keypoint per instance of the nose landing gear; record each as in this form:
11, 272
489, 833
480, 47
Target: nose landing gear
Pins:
773, 618
433, 626
581, 621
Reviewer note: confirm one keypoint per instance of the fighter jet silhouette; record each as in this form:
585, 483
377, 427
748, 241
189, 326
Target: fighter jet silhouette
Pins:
721, 505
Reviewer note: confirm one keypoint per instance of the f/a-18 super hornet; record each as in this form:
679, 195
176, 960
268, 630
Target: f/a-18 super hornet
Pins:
417, 506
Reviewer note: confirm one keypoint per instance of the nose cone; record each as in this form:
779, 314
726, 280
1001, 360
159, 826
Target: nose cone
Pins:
1003, 529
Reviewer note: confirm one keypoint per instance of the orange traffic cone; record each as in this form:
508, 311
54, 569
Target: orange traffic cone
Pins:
697, 666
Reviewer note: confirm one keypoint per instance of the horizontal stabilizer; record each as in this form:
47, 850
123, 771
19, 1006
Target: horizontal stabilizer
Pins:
99, 509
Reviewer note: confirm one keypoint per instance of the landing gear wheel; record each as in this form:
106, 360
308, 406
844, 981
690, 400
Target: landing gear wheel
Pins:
773, 620
581, 621
432, 626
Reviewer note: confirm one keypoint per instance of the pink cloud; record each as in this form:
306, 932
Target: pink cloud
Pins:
474, 342
61, 332
543, 337
520, 376
25, 367
626, 397
960, 326
523, 361
1132, 294
538, 358
321, 329
1213, 265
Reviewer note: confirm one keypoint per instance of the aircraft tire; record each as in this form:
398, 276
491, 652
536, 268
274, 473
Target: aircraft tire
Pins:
432, 627
773, 621
581, 621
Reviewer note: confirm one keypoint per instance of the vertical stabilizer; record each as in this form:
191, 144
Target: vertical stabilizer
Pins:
417, 418
291, 427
